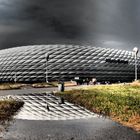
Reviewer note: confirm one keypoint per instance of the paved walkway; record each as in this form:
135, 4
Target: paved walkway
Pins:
80, 129
37, 90
34, 90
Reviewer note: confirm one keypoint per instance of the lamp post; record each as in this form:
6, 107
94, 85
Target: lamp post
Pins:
15, 77
135, 50
47, 79
47, 59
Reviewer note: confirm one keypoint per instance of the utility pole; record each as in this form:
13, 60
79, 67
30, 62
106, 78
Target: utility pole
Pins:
136, 50
15, 77
47, 59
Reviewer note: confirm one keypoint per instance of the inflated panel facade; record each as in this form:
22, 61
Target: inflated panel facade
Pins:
64, 62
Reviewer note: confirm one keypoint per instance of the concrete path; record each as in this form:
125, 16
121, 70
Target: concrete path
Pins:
80, 129
35, 90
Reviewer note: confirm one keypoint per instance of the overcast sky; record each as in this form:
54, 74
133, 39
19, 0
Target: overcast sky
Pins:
102, 23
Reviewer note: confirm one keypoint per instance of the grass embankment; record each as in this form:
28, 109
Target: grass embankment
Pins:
44, 85
9, 108
119, 102
52, 84
10, 86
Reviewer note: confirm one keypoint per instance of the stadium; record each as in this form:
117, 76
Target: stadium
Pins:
37, 63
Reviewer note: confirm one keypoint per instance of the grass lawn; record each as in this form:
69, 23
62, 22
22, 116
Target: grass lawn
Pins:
120, 102
9, 108
10, 86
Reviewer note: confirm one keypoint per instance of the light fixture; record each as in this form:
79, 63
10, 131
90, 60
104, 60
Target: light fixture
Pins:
135, 50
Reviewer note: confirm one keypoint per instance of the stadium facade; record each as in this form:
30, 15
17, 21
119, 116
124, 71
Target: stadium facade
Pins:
66, 62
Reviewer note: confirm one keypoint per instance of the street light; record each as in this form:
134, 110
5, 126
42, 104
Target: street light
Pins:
15, 77
47, 79
135, 50
47, 59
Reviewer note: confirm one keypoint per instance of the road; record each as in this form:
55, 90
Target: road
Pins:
34, 90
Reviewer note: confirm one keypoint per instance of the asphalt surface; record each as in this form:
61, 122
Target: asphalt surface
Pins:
81, 129
34, 90
26, 91
29, 123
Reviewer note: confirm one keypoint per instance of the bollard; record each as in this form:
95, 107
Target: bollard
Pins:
61, 87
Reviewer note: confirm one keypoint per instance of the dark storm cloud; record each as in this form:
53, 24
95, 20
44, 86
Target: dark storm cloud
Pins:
104, 23
40, 22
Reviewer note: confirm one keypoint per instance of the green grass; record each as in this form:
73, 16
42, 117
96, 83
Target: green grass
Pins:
44, 85
9, 108
121, 102
10, 86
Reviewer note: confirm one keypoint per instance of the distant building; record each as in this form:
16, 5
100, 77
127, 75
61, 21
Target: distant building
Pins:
65, 62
